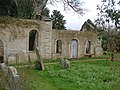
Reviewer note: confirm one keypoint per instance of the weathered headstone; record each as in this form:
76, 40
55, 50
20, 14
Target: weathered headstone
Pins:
39, 62
10, 77
14, 78
29, 59
12, 59
5, 78
62, 62
66, 64
20, 57
4, 68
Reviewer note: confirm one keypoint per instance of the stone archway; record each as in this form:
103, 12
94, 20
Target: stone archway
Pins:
1, 51
33, 39
74, 48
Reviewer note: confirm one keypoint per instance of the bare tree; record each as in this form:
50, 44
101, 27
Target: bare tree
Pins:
74, 5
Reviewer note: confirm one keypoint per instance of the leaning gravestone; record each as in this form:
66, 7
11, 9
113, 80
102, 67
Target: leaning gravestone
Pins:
39, 62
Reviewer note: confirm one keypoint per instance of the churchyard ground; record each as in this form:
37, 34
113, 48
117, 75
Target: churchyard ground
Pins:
98, 74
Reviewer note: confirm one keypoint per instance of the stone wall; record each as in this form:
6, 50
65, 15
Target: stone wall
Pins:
15, 36
66, 36
14, 33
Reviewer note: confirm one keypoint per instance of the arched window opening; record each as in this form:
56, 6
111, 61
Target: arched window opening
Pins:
1, 52
59, 46
88, 47
74, 48
33, 40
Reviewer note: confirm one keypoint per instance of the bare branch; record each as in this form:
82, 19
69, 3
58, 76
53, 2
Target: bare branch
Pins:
69, 5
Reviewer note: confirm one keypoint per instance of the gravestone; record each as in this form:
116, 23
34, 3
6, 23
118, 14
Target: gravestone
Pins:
20, 57
62, 62
5, 78
4, 68
10, 77
14, 78
39, 62
65, 63
29, 59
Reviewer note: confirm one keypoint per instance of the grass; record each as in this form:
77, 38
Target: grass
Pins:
97, 75
31, 80
1, 87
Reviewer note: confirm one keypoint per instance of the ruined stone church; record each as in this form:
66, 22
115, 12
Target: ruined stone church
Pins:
20, 37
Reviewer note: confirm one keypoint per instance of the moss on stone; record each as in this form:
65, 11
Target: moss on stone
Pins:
16, 27
16, 21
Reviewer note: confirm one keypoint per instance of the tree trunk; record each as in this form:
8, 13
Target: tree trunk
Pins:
38, 7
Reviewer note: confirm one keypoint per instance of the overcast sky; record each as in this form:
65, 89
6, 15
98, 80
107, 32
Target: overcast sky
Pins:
73, 20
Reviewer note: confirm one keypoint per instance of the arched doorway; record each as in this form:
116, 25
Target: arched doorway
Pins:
88, 47
74, 48
1, 52
33, 40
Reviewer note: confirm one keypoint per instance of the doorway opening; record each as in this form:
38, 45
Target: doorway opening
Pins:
74, 48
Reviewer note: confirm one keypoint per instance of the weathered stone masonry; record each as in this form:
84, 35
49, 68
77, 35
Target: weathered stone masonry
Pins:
15, 35
66, 36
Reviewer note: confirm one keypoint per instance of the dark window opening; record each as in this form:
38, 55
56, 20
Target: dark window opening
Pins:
59, 46
1, 52
88, 48
33, 40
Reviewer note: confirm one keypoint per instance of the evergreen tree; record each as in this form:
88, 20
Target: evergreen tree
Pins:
58, 20
45, 12
25, 9
8, 8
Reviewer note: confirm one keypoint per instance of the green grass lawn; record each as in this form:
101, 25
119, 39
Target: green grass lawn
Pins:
1, 87
97, 75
